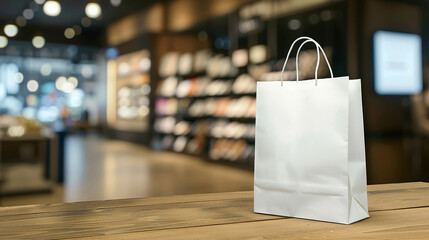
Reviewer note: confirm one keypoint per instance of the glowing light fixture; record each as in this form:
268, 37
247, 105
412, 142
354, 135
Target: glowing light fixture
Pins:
28, 14
19, 77
52, 8
86, 22
3, 41
16, 131
21, 21
40, 2
46, 69
32, 85
73, 81
87, 72
93, 10
10, 30
115, 3
38, 41
69, 33
59, 83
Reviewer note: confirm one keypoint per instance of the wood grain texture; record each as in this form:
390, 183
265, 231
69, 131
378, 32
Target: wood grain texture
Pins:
192, 216
93, 205
397, 224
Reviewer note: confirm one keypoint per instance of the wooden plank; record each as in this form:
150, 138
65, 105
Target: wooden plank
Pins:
395, 186
394, 224
168, 213
93, 205
382, 200
83, 223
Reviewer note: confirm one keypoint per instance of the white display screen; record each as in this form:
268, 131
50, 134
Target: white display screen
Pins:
397, 63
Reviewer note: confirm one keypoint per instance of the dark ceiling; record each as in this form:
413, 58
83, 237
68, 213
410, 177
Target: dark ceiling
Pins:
72, 11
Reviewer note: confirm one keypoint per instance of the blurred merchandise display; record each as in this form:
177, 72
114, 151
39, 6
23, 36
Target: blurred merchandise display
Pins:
129, 91
206, 102
51, 86
204, 97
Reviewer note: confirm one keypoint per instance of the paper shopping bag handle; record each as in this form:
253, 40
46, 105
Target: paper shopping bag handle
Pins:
317, 65
318, 60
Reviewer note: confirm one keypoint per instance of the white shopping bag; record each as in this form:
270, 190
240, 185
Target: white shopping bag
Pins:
310, 152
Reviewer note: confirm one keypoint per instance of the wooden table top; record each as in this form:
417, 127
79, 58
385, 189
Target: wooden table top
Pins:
396, 211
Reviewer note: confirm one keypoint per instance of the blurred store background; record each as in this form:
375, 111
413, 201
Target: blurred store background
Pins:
107, 99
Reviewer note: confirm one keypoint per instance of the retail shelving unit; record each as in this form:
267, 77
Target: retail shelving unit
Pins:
192, 115
129, 92
201, 113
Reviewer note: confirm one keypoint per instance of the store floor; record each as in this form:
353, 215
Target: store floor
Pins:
100, 169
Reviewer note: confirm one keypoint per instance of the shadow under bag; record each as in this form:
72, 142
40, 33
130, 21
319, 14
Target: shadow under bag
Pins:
310, 149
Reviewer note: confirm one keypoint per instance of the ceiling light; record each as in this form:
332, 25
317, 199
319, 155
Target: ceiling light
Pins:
294, 24
19, 77
40, 2
28, 14
69, 33
86, 22
77, 30
33, 6
68, 87
93, 10
52, 8
32, 85
59, 83
21, 21
10, 30
115, 3
87, 72
46, 69
73, 81
38, 41
3, 41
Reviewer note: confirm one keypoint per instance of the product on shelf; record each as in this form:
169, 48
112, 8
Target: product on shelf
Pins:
182, 128
183, 106
226, 129
167, 87
258, 54
218, 87
239, 107
240, 58
132, 102
201, 59
244, 84
168, 65
256, 71
124, 68
180, 144
231, 150
185, 64
166, 106
275, 76
165, 125
144, 64
167, 142
243, 107
202, 84
220, 66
